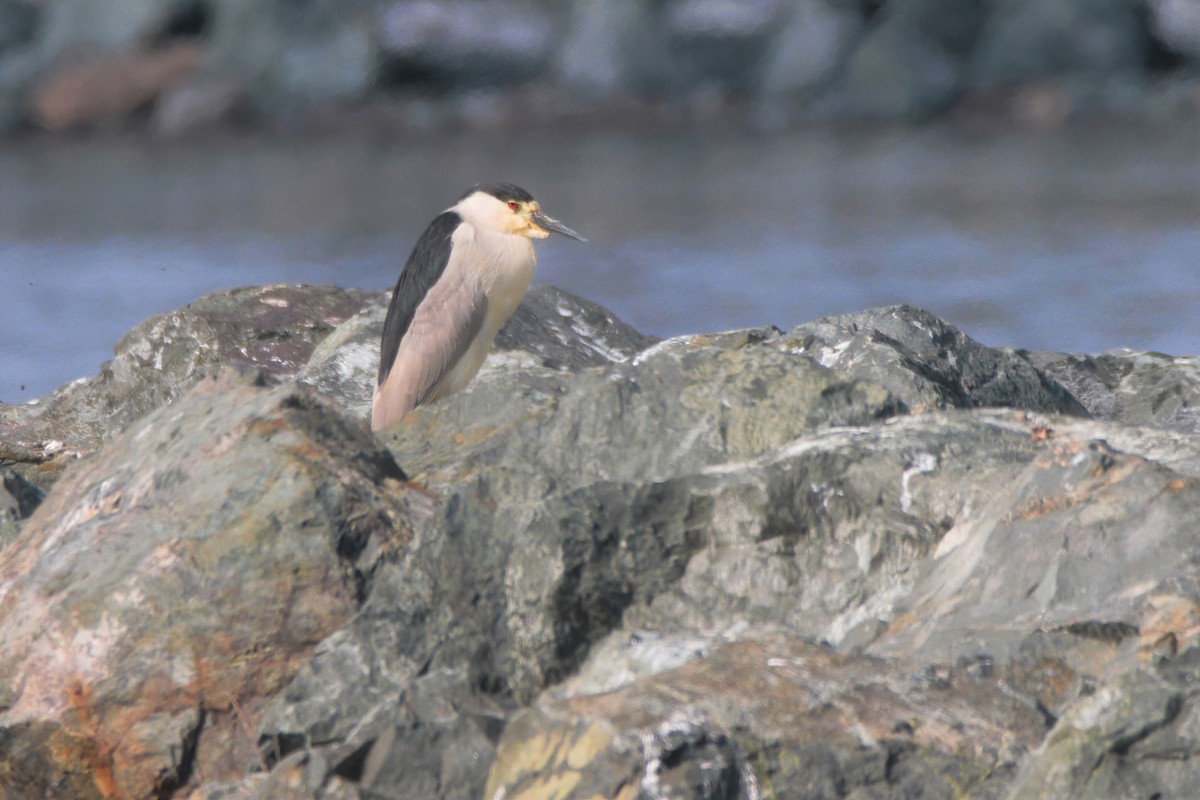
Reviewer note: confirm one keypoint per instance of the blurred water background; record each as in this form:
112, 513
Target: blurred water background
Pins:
1027, 169
1078, 241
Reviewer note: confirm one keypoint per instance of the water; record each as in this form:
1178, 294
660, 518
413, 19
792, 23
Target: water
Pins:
1080, 241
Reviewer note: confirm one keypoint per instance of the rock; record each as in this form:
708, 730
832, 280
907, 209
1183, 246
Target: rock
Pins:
1177, 24
272, 328
196, 105
550, 328
568, 333
805, 55
770, 716
464, 42
75, 26
720, 43
1133, 387
1133, 738
866, 557
1095, 40
520, 436
1083, 553
609, 48
912, 63
287, 55
18, 24
177, 579
107, 88
927, 363
18, 499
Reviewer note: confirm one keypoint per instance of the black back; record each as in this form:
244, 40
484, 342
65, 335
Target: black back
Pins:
422, 270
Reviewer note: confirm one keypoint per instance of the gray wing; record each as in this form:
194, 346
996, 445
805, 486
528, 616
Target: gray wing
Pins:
443, 326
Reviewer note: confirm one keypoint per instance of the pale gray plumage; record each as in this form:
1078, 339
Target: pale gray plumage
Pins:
465, 277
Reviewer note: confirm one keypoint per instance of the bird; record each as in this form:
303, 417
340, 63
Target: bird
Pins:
465, 277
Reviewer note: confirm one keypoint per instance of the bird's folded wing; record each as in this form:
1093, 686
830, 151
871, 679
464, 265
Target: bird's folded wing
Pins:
441, 332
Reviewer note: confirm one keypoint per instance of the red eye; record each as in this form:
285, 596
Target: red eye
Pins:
514, 205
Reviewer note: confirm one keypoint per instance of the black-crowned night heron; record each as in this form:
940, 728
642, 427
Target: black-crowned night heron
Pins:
465, 277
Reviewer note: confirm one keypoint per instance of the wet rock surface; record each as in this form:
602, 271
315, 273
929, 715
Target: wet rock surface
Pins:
866, 557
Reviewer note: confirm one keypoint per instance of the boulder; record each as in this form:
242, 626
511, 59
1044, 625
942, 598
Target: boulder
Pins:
1093, 41
289, 56
771, 716
912, 62
18, 24
608, 49
865, 557
79, 26
928, 363
808, 51
1129, 386
18, 499
1177, 24
177, 579
271, 328
465, 43
553, 329
105, 89
715, 43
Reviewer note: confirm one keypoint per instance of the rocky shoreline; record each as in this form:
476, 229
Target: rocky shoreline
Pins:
419, 66
865, 557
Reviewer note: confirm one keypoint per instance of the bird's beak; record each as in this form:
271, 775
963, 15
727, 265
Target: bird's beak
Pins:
551, 224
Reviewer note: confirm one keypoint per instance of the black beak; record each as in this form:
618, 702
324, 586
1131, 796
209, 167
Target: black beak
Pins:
551, 224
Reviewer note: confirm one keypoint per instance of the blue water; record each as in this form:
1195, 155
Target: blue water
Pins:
1081, 241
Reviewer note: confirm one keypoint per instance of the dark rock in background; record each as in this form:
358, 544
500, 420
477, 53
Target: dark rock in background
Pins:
865, 557
466, 43
484, 62
287, 55
1092, 40
912, 62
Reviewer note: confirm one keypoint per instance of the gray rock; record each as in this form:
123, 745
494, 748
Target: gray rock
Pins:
287, 55
867, 557
720, 43
609, 48
18, 24
1137, 737
18, 499
464, 601
74, 25
926, 362
271, 328
179, 577
1079, 561
1025, 40
1129, 386
912, 63
551, 329
1177, 24
805, 55
771, 716
466, 42
195, 106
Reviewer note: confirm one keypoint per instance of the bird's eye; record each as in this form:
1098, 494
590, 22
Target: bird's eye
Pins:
513, 205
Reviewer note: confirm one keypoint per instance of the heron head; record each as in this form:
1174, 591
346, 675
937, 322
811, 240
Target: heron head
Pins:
510, 209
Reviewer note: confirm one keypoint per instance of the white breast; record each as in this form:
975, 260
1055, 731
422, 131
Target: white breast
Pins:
502, 265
